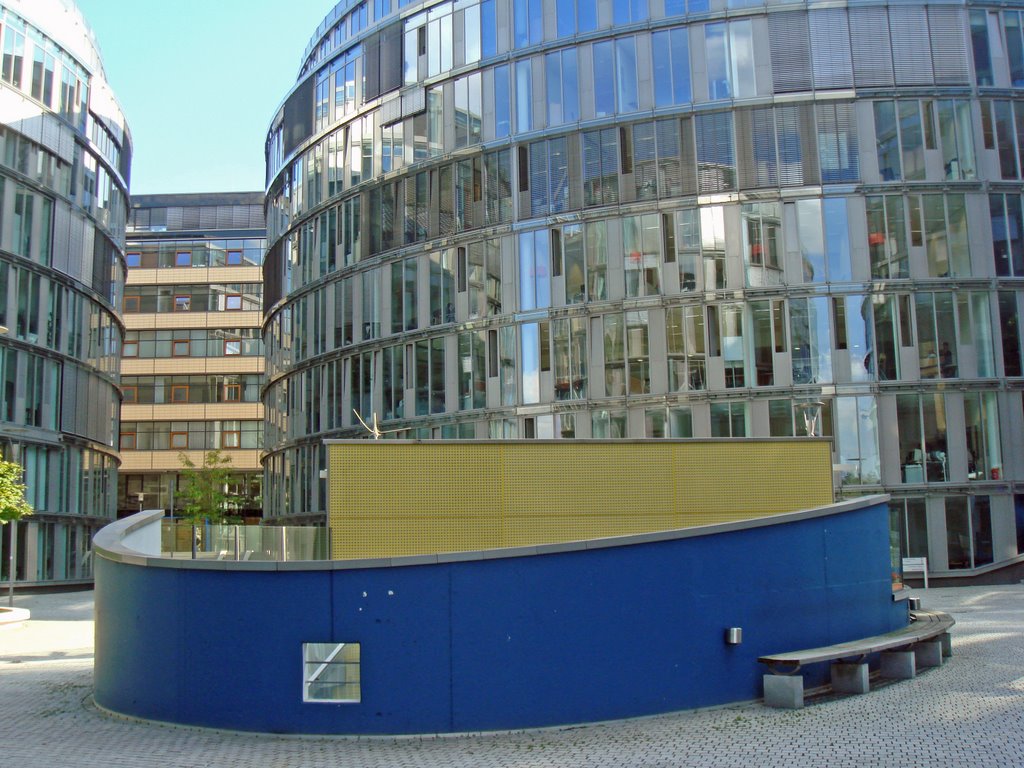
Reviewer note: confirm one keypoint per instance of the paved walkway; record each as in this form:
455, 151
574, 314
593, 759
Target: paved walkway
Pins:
968, 713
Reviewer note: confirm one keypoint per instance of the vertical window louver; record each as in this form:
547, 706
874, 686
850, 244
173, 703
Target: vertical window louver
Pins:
911, 49
830, 45
949, 45
872, 53
791, 51
756, 155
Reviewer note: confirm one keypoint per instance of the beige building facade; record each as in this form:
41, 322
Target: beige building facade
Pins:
193, 359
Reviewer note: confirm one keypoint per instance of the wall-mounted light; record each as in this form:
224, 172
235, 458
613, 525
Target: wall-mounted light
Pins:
734, 635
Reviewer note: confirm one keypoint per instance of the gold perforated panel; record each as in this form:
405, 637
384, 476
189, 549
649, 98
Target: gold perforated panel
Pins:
395, 498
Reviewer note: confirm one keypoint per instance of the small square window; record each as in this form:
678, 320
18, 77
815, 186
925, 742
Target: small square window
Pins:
133, 259
130, 349
179, 348
132, 304
182, 303
231, 439
179, 393
232, 346
127, 441
331, 672
129, 394
179, 440
233, 301
234, 258
232, 393
183, 259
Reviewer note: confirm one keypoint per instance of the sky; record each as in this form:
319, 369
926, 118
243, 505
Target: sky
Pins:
199, 81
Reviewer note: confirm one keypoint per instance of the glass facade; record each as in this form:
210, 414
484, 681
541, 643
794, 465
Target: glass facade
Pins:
65, 154
661, 219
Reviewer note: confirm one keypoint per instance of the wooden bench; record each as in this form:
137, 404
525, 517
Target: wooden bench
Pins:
925, 642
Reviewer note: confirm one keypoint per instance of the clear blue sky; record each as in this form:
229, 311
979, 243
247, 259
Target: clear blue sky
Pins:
199, 81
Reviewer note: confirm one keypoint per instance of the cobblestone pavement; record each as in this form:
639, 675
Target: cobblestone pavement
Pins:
968, 713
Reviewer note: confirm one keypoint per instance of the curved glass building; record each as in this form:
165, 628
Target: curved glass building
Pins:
660, 218
65, 154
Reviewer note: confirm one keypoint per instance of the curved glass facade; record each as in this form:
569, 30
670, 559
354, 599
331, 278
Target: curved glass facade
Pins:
612, 218
65, 154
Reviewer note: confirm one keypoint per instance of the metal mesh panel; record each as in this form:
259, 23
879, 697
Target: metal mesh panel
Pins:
464, 496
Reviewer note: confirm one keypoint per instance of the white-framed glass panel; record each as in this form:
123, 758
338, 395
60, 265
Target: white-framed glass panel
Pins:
331, 672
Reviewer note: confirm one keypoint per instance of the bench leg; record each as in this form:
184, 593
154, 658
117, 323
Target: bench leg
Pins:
898, 665
786, 691
947, 644
850, 677
928, 654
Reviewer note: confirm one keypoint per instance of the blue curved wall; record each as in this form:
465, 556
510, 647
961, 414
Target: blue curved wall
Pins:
480, 644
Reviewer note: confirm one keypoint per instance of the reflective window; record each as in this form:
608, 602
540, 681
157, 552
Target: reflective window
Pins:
527, 22
729, 53
670, 57
604, 72
810, 340
625, 75
628, 11
331, 672
502, 102
524, 96
857, 441
887, 236
728, 419
685, 343
562, 88
641, 239
534, 270
979, 43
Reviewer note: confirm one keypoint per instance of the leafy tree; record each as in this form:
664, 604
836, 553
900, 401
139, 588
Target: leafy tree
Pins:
204, 487
12, 492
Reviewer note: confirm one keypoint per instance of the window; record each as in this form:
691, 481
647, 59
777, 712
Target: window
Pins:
233, 259
233, 301
183, 259
330, 672
562, 89
130, 394
670, 55
182, 303
232, 393
130, 349
231, 439
730, 59
232, 346
179, 440
128, 441
179, 393
132, 303
133, 259
179, 348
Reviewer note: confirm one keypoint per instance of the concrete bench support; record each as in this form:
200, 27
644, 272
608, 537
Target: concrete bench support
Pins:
928, 654
785, 691
850, 677
898, 665
947, 644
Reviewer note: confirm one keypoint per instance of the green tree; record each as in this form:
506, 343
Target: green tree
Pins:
12, 492
205, 487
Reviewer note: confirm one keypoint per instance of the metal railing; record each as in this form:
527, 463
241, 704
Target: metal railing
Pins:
243, 542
